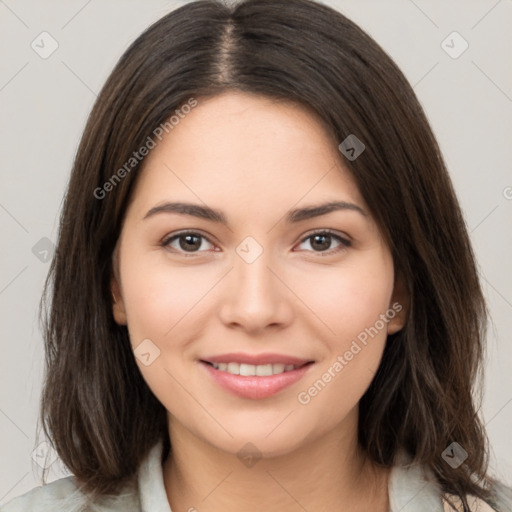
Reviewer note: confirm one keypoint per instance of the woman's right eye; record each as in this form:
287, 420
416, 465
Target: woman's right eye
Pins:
186, 242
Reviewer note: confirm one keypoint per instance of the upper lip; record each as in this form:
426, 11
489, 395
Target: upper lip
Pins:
257, 359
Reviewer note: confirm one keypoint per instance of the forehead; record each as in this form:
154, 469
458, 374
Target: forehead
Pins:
242, 149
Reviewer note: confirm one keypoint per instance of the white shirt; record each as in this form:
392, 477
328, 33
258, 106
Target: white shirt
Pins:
411, 489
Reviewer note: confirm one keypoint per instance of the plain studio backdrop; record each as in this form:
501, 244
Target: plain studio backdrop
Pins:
57, 54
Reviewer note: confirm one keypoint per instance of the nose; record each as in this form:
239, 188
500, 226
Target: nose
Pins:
255, 297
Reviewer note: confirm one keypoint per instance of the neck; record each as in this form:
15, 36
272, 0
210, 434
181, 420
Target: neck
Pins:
330, 473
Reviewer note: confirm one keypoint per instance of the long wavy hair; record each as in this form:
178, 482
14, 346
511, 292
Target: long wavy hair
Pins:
96, 409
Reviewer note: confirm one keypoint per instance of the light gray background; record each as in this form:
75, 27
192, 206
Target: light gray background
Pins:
45, 102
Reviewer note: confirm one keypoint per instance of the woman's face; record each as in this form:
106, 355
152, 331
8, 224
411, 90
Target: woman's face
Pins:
239, 277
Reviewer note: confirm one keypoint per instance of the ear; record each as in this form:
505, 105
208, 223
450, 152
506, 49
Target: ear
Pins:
399, 304
118, 309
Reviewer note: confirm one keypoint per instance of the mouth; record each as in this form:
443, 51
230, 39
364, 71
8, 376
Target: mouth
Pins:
255, 381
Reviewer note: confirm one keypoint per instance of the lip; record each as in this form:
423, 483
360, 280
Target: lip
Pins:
265, 358
255, 387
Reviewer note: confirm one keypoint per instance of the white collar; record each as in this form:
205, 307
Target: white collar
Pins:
152, 495
410, 487
413, 488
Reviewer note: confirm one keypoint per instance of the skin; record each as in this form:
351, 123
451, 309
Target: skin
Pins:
255, 159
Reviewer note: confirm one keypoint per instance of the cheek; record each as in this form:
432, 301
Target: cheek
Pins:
158, 296
351, 298
160, 301
353, 306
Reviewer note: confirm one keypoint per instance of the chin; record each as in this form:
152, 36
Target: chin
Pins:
260, 445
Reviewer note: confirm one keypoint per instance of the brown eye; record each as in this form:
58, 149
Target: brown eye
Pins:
322, 241
188, 242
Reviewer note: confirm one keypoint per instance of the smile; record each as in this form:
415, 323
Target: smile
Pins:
255, 381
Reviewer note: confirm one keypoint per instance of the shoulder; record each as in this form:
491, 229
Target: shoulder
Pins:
413, 488
44, 497
501, 501
453, 503
144, 491
63, 495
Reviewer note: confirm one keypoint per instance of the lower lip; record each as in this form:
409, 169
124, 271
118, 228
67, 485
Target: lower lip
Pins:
256, 387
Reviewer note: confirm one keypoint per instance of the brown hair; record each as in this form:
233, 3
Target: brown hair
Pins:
96, 408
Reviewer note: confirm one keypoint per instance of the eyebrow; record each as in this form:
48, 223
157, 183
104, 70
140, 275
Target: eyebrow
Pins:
293, 216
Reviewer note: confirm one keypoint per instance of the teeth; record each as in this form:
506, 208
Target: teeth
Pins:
248, 370
233, 368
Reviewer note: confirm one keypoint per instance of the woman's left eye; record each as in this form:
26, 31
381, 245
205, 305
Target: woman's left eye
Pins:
322, 240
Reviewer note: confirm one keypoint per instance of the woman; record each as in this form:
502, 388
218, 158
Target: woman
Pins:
261, 258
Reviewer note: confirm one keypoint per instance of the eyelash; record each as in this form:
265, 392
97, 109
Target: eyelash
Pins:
344, 243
